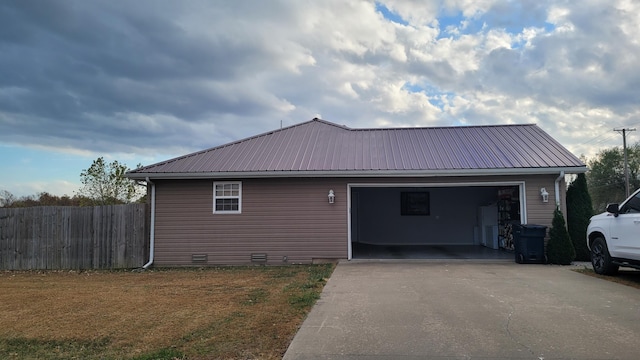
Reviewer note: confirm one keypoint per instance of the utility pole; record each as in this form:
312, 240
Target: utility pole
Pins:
626, 162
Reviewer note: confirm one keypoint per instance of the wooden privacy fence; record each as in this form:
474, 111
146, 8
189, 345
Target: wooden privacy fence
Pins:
64, 237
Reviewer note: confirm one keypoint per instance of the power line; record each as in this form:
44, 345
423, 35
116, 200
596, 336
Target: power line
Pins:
600, 139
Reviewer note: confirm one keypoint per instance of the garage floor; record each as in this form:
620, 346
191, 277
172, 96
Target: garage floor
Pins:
444, 252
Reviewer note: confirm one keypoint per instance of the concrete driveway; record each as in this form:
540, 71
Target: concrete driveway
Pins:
466, 310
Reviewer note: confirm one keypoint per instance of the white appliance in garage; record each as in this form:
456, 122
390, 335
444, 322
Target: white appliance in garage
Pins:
488, 226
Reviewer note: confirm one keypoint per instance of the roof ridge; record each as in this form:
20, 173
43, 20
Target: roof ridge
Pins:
440, 127
326, 122
315, 119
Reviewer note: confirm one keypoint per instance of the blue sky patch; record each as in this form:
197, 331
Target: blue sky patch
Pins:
513, 22
452, 21
389, 15
412, 88
436, 96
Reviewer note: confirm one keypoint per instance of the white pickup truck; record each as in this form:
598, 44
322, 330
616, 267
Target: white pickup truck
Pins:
614, 237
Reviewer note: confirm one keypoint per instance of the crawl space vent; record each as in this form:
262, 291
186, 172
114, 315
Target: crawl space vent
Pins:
198, 258
260, 258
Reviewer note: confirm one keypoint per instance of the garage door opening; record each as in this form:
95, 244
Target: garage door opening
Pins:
434, 222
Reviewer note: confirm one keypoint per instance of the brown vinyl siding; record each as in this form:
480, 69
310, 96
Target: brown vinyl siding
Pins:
539, 212
280, 217
287, 217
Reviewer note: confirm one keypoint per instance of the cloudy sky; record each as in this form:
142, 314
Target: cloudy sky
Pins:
143, 81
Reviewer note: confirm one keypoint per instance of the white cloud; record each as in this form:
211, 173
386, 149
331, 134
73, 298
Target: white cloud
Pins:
53, 187
169, 78
559, 16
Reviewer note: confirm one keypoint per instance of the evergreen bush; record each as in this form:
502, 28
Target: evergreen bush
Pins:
579, 211
559, 248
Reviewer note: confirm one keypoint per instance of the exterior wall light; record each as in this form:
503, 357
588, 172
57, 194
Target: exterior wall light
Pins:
331, 196
544, 194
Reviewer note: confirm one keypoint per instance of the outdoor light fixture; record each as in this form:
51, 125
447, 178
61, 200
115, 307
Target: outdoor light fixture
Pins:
544, 194
331, 196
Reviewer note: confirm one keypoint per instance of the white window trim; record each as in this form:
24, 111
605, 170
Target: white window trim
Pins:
239, 197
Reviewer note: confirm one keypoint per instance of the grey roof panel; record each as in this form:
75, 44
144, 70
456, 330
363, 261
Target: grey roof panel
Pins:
318, 145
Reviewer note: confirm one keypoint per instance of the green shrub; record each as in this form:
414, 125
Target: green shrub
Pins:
559, 248
579, 211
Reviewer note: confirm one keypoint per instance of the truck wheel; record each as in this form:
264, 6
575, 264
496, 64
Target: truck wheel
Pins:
600, 258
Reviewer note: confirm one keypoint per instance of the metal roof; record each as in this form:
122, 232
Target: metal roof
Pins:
322, 148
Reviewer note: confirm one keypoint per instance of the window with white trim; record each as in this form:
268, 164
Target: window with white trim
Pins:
227, 197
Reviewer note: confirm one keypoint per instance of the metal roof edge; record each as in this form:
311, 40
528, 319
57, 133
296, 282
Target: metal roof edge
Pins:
361, 173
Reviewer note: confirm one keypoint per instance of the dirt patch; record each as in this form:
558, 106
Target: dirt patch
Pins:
204, 313
629, 277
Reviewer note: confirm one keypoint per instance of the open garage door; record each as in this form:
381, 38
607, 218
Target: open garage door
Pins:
400, 221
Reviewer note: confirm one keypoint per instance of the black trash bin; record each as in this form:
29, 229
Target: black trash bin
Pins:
529, 243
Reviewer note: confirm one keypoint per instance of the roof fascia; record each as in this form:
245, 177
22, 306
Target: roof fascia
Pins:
360, 173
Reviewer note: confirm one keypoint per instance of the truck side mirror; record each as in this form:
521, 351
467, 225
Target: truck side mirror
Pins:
614, 209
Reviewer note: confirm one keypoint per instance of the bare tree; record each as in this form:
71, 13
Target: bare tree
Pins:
6, 198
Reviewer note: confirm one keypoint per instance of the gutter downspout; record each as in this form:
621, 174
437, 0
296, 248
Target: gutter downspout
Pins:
557, 188
152, 233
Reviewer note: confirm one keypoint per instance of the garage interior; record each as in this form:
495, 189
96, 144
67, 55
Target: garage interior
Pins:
446, 222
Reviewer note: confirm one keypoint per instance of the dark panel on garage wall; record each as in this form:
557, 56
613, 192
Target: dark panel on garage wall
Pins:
451, 220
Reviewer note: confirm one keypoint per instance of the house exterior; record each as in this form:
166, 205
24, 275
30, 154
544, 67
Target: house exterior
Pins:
316, 190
